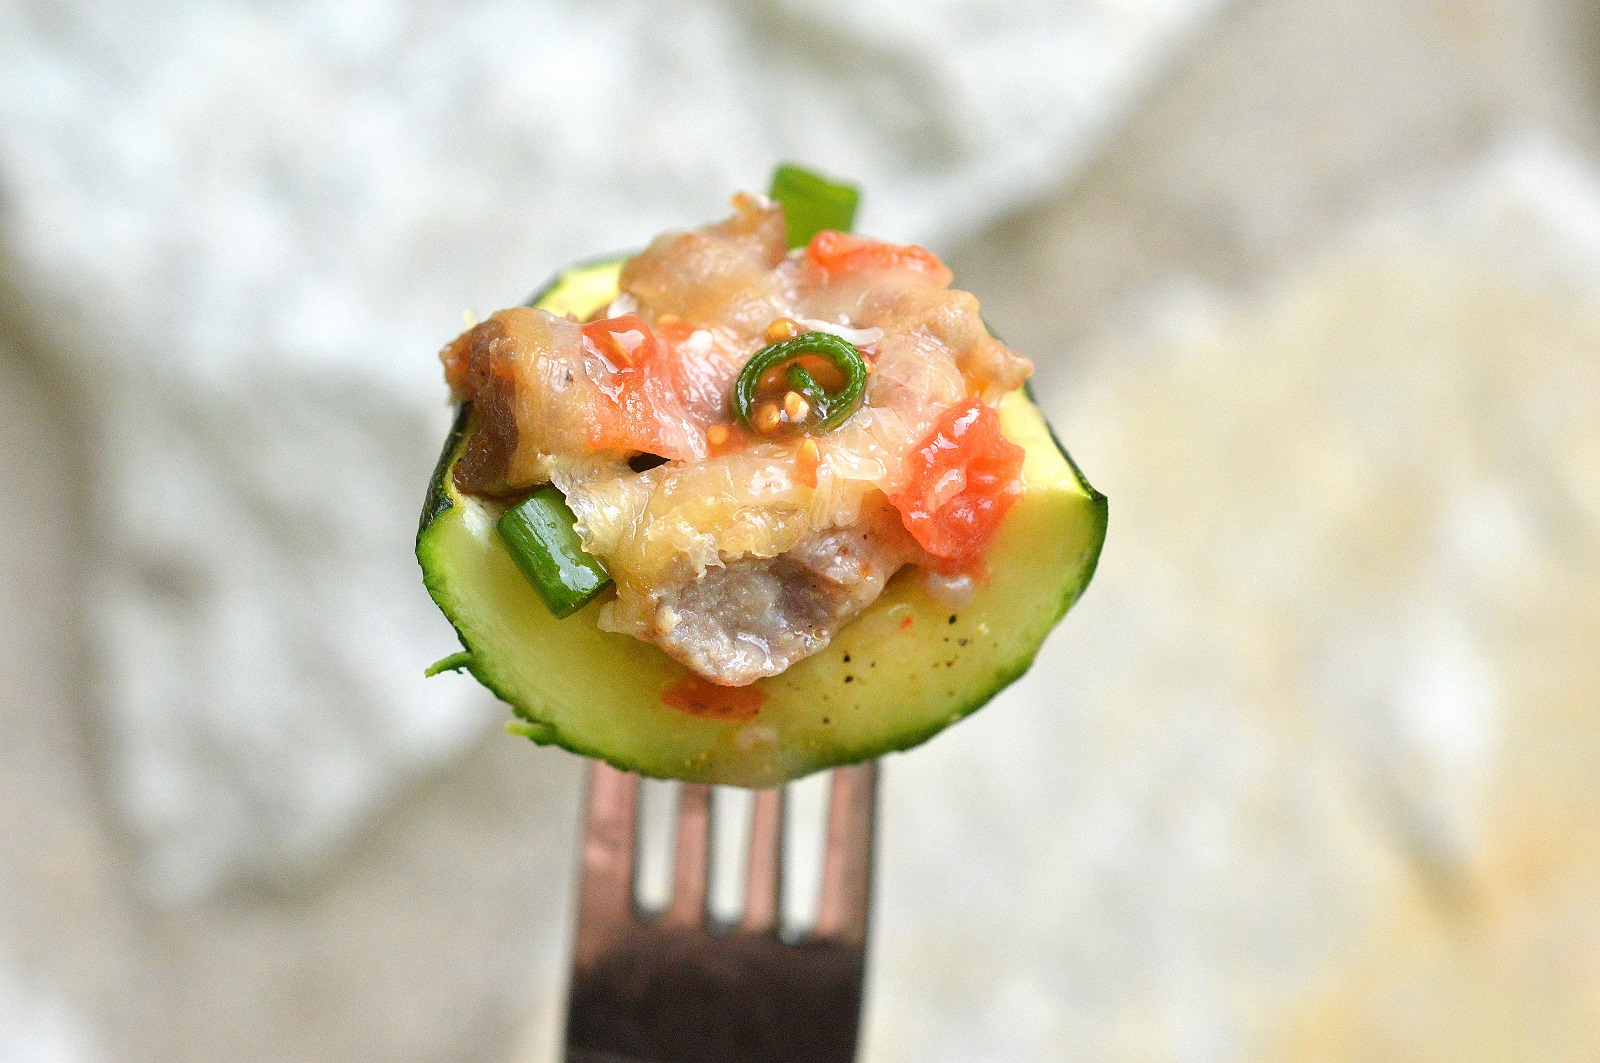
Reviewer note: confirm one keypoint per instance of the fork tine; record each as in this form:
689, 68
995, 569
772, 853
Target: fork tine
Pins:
847, 865
671, 990
605, 892
765, 874
690, 857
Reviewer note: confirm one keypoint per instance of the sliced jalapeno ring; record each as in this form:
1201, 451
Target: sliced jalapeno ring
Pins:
828, 409
801, 380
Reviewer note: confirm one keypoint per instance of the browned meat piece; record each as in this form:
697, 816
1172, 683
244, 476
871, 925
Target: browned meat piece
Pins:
724, 272
756, 617
523, 372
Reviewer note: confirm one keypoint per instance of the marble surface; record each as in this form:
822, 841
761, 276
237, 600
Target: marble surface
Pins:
1293, 782
1319, 739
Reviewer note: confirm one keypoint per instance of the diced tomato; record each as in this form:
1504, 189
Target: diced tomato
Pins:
963, 478
643, 411
707, 700
842, 254
670, 329
625, 341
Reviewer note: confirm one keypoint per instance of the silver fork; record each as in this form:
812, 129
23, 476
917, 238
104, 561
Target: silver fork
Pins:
677, 989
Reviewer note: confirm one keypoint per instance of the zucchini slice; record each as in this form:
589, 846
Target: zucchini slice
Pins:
904, 670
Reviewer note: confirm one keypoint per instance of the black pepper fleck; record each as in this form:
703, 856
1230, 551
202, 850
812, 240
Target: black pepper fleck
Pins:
849, 679
847, 658
952, 618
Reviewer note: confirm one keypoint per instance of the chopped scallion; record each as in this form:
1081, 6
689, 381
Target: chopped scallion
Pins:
812, 203
539, 533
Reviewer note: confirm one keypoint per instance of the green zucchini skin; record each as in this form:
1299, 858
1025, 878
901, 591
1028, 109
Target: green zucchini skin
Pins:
438, 498
903, 671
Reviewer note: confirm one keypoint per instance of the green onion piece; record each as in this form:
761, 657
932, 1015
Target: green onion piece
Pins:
539, 533
829, 409
812, 203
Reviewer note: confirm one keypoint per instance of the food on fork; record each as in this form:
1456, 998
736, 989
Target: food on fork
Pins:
765, 498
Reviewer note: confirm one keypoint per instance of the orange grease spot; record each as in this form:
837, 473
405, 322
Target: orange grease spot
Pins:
726, 439
808, 459
905, 625
704, 699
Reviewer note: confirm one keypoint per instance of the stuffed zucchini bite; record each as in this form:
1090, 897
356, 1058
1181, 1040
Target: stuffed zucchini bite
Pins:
765, 498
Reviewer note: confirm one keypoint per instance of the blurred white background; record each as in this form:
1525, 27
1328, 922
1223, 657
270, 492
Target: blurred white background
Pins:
1314, 291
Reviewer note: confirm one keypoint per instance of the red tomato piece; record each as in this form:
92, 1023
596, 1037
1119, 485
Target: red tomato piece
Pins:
642, 410
842, 254
624, 341
963, 477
